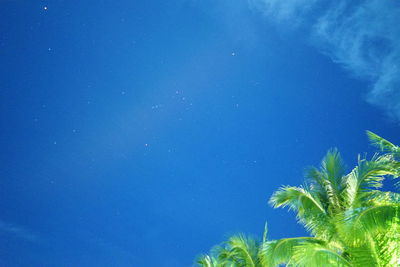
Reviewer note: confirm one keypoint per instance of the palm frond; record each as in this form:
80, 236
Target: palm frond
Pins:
383, 144
310, 211
238, 250
244, 250
367, 175
327, 181
281, 251
333, 167
265, 233
262, 260
373, 235
316, 254
298, 199
388, 246
384, 198
373, 219
363, 255
206, 261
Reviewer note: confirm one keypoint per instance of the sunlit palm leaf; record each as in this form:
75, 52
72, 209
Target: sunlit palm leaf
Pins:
281, 251
298, 199
380, 198
383, 144
326, 182
207, 261
310, 211
365, 176
364, 222
310, 254
244, 250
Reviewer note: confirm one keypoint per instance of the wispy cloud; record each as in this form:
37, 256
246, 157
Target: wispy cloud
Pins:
17, 231
362, 35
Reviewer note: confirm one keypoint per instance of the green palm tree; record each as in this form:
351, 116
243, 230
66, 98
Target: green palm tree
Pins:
239, 250
351, 222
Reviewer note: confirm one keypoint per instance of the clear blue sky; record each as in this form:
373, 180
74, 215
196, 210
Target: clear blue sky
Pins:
141, 133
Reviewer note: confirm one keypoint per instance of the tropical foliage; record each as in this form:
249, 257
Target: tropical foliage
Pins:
239, 250
351, 222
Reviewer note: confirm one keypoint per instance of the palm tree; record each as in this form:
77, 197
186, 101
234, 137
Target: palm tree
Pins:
351, 222
239, 250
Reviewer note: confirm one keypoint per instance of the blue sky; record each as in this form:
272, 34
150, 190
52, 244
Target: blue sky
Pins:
141, 134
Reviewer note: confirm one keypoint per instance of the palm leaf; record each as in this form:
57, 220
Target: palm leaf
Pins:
384, 198
289, 250
244, 250
366, 221
316, 254
206, 261
365, 176
310, 211
383, 144
298, 199
326, 182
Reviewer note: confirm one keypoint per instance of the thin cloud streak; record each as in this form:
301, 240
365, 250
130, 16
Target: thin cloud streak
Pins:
17, 231
362, 36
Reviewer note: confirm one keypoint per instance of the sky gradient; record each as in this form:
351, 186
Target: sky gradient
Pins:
143, 133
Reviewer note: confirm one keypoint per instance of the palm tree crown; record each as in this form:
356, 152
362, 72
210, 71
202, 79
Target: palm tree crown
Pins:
351, 222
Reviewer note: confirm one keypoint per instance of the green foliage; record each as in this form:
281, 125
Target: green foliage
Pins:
352, 223
383, 144
238, 250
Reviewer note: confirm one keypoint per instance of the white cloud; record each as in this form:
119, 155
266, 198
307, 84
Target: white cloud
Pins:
17, 231
363, 36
